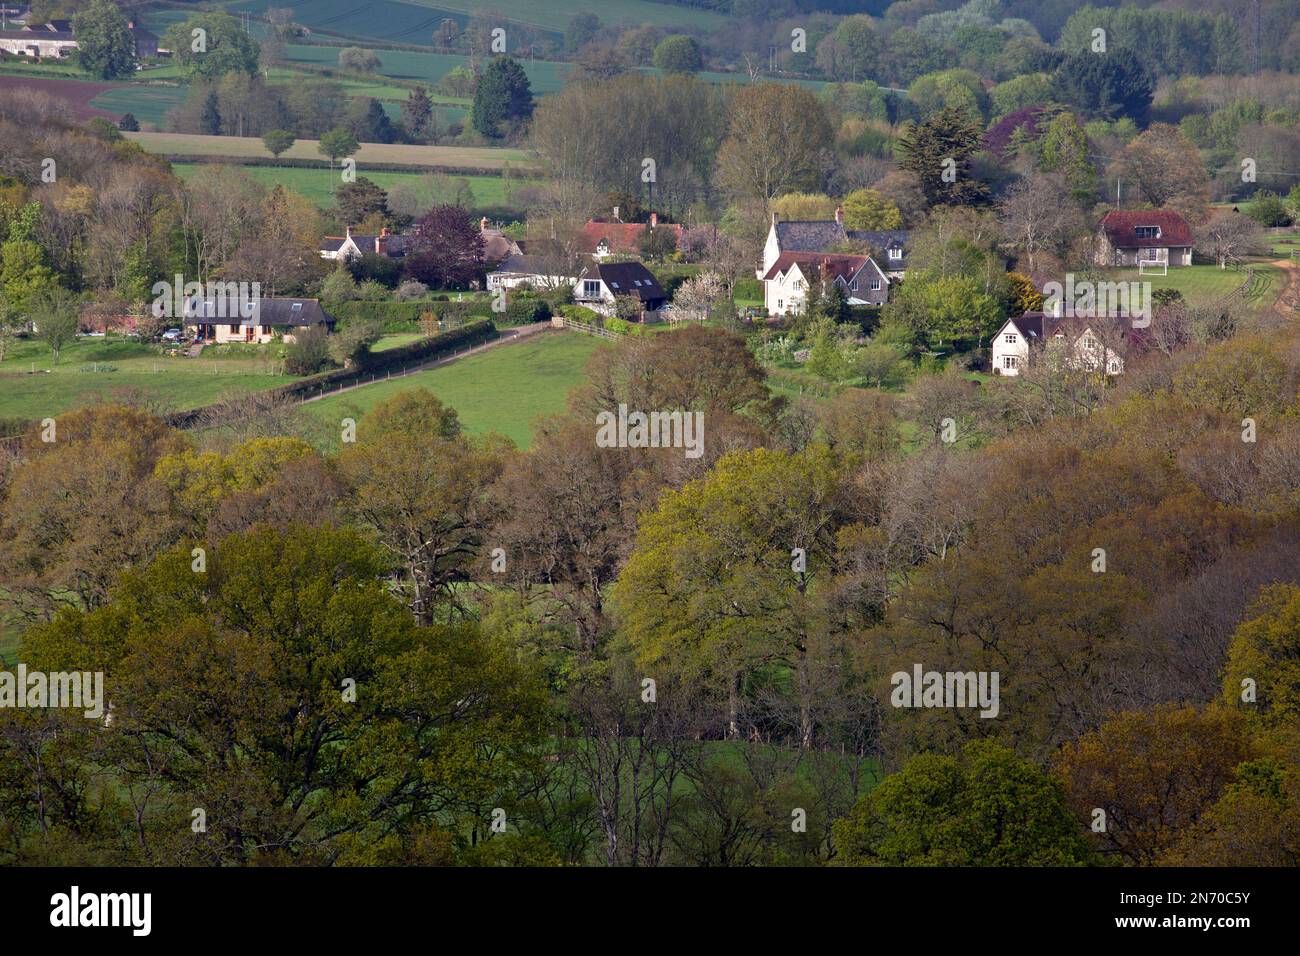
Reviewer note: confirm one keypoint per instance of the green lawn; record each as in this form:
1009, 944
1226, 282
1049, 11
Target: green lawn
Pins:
147, 103
502, 390
1200, 285
318, 185
415, 22
1283, 244
92, 369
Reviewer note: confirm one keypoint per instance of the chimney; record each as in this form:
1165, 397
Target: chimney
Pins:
384, 231
654, 219
616, 219
839, 214
348, 231
774, 217
482, 224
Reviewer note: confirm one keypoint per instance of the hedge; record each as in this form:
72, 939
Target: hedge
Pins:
400, 316
424, 350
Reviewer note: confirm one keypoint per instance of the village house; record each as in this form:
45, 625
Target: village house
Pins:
55, 39
601, 285
1093, 344
497, 246
210, 320
787, 283
351, 246
602, 239
824, 235
1129, 237
523, 270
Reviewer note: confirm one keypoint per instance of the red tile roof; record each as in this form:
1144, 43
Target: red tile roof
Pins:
811, 264
623, 237
1121, 226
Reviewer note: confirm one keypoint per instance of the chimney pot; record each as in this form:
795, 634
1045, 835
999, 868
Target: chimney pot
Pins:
839, 214
654, 219
483, 224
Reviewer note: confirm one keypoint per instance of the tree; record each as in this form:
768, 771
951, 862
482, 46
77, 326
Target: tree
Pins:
278, 141
852, 52
942, 312
359, 59
1227, 236
422, 487
56, 315
1152, 773
1167, 169
210, 118
985, 807
503, 95
417, 116
1037, 216
356, 201
678, 54
867, 209
309, 351
1265, 651
368, 121
581, 30
446, 250
938, 152
210, 45
1063, 149
1108, 85
292, 628
777, 141
128, 123
338, 142
105, 48
1269, 209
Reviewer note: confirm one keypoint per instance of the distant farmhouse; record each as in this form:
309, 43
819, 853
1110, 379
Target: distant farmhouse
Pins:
600, 286
602, 238
1091, 344
787, 283
524, 270
1129, 237
823, 235
352, 245
55, 38
205, 321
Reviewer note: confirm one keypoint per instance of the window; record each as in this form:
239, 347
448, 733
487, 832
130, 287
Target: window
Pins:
780, 304
896, 253
1011, 338
234, 330
637, 283
613, 285
296, 307
1147, 232
875, 285
1009, 361
1089, 342
266, 330
591, 288
853, 286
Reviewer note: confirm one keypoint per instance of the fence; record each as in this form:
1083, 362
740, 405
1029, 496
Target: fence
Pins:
560, 322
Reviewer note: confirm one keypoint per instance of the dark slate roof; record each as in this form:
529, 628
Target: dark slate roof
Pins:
288, 312
627, 278
821, 234
1121, 225
524, 265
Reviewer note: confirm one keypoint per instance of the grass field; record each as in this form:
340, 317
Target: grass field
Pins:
1200, 285
92, 369
147, 103
451, 157
502, 390
393, 21
318, 185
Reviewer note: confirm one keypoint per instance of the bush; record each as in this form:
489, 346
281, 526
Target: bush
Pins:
524, 308
373, 267
411, 289
309, 351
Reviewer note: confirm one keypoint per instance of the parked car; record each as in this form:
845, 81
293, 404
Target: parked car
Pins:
172, 335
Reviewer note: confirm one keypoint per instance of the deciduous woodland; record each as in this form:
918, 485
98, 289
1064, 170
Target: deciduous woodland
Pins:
716, 474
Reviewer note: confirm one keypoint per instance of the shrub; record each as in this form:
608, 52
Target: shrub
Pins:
309, 351
411, 289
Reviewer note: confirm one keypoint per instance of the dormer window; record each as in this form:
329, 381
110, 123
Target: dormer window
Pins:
896, 253
1147, 232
